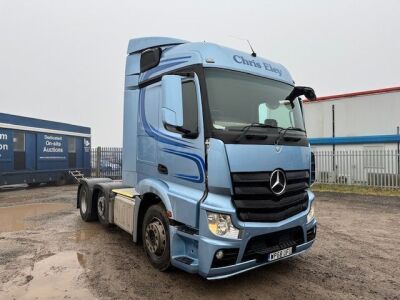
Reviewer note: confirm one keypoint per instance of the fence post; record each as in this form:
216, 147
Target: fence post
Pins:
98, 159
398, 150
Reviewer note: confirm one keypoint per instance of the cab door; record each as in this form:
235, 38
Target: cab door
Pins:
181, 157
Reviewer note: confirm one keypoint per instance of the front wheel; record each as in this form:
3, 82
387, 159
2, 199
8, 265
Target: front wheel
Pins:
155, 236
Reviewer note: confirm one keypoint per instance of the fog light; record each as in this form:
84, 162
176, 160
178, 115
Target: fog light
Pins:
219, 254
221, 225
311, 213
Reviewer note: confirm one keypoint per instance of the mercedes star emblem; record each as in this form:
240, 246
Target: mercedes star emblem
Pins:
278, 182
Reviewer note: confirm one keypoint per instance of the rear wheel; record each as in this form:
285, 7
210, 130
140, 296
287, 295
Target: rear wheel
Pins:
102, 209
155, 236
84, 205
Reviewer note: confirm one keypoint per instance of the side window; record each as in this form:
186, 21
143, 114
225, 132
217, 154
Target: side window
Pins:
190, 110
190, 113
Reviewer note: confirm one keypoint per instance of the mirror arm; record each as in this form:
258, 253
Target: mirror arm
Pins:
300, 91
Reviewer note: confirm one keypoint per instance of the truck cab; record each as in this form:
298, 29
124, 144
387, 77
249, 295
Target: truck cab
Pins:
217, 166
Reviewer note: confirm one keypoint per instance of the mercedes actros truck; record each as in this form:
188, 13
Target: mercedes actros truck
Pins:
217, 167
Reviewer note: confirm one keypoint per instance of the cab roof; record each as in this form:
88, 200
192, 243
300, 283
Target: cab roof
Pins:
179, 53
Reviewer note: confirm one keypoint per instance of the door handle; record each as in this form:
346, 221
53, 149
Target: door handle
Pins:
162, 169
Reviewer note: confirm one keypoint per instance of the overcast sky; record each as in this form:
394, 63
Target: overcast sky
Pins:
64, 60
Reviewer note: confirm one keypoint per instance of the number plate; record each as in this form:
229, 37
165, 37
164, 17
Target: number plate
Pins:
279, 254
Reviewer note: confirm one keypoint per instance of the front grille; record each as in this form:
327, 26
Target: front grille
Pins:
254, 200
258, 247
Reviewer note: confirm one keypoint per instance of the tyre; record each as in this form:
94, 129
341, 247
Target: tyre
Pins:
85, 204
102, 208
155, 236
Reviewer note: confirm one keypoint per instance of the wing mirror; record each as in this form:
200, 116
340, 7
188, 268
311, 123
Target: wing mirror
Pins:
300, 91
172, 101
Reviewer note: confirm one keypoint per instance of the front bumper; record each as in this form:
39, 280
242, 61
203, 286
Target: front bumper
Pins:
225, 272
203, 246
242, 266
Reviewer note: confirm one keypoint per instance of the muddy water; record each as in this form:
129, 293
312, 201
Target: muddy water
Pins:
55, 277
14, 218
85, 234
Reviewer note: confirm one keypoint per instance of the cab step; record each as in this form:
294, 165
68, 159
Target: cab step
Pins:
184, 259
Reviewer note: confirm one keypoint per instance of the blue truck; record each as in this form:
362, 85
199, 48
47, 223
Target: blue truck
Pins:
34, 151
216, 163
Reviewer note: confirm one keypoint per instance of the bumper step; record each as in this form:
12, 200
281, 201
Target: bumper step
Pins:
184, 259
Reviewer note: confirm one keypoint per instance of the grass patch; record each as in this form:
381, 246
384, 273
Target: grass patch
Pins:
354, 189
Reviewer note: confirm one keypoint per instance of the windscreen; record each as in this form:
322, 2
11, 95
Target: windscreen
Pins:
237, 100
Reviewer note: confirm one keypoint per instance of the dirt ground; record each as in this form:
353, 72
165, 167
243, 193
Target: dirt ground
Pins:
48, 252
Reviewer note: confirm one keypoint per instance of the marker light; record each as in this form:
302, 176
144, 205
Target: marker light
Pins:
221, 225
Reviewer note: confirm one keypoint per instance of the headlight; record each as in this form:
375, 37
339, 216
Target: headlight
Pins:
311, 213
221, 225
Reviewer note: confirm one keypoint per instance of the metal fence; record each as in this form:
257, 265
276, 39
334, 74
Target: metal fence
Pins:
106, 162
378, 168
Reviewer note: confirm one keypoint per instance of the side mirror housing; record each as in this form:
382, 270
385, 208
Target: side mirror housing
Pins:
172, 101
309, 93
300, 91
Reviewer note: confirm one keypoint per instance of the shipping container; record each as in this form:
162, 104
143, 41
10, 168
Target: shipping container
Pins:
35, 151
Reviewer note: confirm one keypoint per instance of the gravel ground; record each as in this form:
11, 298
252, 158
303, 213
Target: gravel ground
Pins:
48, 252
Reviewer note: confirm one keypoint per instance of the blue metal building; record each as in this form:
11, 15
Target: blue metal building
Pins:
34, 151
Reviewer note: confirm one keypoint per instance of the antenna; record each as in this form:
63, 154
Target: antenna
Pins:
248, 42
252, 50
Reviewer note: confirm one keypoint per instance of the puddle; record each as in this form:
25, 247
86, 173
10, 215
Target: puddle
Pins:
13, 218
85, 234
55, 277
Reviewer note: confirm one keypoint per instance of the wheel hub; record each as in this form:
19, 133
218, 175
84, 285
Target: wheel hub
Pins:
155, 237
101, 206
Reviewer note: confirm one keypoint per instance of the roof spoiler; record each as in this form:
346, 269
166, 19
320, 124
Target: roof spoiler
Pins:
140, 44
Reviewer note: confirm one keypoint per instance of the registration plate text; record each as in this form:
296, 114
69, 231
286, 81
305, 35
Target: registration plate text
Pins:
279, 254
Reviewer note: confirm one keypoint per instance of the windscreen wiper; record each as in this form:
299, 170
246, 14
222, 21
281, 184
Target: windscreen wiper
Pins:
282, 133
246, 128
